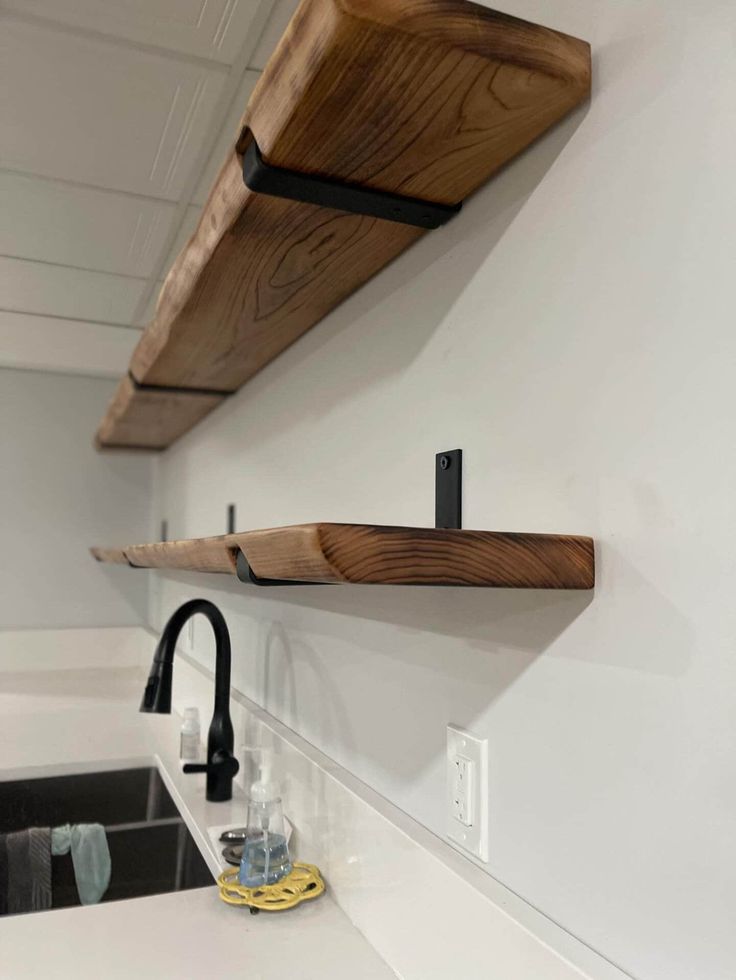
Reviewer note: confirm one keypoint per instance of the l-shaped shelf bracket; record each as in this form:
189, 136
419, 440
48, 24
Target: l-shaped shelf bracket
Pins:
448, 482
246, 574
264, 178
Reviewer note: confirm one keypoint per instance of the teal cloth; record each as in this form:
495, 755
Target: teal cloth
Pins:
90, 857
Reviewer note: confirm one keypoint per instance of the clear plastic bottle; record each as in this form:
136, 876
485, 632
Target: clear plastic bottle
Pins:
189, 740
265, 850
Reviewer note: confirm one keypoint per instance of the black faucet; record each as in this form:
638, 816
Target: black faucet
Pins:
221, 764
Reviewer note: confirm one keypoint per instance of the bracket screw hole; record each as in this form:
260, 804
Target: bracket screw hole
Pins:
445, 462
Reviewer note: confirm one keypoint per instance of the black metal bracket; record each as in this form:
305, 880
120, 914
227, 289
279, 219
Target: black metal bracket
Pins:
230, 524
448, 489
173, 390
447, 510
246, 574
263, 178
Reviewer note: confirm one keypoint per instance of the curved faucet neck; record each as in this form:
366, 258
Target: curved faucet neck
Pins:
167, 645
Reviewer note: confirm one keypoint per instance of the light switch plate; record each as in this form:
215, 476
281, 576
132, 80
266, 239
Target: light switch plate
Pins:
467, 791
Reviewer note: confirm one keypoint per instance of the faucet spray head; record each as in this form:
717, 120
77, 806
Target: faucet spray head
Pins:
157, 694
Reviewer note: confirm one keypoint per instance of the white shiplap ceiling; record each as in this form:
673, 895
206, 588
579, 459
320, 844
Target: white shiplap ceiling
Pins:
115, 116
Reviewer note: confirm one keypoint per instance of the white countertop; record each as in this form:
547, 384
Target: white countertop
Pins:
186, 935
83, 719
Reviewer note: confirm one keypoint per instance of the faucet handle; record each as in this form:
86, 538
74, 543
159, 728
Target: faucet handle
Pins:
221, 762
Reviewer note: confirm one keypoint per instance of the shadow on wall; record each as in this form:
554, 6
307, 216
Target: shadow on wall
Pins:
133, 590
524, 620
308, 653
403, 320
495, 638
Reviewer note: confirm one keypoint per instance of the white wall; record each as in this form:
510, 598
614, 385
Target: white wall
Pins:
58, 497
572, 331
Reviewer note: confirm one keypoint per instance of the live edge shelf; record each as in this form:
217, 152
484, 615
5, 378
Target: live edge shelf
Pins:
371, 554
372, 122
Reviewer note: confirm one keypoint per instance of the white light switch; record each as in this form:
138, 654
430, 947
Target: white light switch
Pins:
467, 791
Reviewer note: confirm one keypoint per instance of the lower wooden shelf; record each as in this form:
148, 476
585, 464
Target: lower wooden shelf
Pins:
373, 554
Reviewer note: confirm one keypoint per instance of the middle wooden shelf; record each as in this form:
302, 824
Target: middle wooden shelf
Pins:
374, 554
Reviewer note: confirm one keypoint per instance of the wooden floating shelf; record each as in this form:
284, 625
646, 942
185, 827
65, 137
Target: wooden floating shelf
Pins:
148, 419
371, 554
425, 99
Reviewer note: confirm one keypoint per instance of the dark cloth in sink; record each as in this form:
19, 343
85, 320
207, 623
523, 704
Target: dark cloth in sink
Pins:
3, 875
28, 870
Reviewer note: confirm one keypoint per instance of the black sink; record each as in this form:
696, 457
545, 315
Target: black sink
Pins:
151, 850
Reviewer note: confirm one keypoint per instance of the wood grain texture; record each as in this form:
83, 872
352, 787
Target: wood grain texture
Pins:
369, 554
288, 268
144, 419
216, 554
426, 98
380, 555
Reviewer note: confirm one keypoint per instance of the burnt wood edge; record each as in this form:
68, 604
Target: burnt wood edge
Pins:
489, 34
476, 29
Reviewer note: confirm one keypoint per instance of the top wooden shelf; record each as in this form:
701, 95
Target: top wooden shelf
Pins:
421, 98
370, 554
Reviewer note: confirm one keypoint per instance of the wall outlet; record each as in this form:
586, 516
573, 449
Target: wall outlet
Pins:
461, 797
467, 791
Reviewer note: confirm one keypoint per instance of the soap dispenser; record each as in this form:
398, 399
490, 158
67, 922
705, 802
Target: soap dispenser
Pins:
265, 851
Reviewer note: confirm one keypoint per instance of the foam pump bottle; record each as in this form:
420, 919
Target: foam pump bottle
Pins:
265, 851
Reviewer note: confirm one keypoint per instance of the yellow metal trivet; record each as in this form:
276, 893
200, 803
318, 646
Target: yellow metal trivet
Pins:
303, 882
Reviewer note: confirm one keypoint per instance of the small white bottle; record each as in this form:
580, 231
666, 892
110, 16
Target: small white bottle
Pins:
189, 744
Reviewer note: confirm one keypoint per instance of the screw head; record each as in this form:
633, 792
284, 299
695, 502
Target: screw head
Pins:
445, 462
